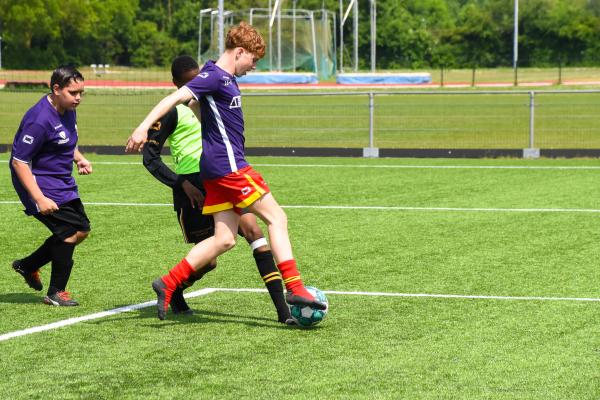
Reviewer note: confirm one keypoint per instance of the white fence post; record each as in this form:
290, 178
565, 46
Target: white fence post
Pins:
531, 151
371, 151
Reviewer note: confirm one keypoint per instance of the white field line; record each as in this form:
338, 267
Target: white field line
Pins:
71, 321
491, 167
442, 296
371, 208
202, 292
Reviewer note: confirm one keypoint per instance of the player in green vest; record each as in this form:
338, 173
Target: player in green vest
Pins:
181, 129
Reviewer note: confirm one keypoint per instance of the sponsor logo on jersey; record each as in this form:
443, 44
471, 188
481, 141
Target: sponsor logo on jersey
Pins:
236, 102
226, 81
28, 139
63, 138
246, 190
203, 75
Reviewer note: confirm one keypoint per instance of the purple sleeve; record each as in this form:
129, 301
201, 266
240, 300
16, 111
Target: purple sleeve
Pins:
203, 83
29, 142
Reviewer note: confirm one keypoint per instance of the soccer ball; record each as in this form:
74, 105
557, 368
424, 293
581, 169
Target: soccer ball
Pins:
307, 316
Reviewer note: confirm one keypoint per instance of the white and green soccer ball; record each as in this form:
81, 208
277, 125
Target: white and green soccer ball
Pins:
307, 316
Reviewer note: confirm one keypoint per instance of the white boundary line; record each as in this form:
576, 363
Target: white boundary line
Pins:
509, 167
442, 296
370, 208
205, 291
71, 321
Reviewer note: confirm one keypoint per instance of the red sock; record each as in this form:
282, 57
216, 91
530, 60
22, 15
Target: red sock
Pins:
291, 278
178, 274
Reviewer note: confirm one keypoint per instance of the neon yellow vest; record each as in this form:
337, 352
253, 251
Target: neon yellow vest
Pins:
186, 142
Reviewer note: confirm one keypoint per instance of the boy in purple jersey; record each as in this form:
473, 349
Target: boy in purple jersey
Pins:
231, 183
181, 129
41, 166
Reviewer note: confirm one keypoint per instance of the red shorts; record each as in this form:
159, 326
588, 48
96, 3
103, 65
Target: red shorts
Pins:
236, 191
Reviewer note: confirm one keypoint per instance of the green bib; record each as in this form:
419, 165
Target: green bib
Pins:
186, 142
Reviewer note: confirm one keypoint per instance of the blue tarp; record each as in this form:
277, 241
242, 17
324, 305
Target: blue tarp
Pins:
278, 78
384, 78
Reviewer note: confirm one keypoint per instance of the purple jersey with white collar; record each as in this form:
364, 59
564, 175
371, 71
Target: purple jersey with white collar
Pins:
222, 121
46, 140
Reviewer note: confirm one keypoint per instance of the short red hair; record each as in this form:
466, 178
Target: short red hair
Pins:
247, 37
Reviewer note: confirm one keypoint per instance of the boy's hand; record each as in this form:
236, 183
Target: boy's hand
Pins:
136, 140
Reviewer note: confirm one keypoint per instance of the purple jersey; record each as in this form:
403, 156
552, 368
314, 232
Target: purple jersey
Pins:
222, 121
46, 141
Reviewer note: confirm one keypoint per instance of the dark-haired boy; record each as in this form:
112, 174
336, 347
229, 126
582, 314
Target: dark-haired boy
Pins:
41, 166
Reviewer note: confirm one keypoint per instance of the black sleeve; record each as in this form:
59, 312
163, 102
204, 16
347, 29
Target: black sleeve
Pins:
157, 136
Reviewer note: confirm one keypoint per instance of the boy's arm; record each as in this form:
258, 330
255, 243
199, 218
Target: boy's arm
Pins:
157, 136
139, 135
23, 171
84, 167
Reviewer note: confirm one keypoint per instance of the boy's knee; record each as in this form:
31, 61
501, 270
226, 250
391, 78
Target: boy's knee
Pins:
226, 242
251, 233
77, 237
81, 236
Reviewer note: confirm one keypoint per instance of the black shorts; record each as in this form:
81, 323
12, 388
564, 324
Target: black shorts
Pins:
195, 226
67, 221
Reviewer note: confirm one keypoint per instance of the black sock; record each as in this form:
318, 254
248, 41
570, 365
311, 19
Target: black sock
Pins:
272, 278
62, 263
197, 275
40, 257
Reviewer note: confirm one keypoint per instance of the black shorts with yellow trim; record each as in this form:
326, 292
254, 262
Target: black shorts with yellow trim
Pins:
195, 226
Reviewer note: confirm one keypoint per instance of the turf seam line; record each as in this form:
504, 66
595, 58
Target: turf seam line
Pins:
372, 208
205, 291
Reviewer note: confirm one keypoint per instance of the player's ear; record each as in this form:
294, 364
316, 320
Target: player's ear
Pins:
56, 89
238, 52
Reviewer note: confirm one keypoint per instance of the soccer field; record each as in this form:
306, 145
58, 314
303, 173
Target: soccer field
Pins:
447, 279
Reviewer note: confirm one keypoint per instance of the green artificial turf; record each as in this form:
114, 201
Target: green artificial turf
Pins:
390, 234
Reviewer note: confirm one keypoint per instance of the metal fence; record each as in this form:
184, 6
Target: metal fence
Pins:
522, 121
370, 123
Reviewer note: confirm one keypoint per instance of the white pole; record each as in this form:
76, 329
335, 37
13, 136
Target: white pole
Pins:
373, 34
314, 40
199, 35
273, 12
350, 6
516, 36
294, 36
342, 36
279, 38
270, 48
355, 12
221, 28
201, 12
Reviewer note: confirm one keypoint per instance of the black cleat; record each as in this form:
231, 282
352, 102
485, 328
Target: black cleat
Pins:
62, 299
284, 316
178, 304
31, 278
163, 297
295, 300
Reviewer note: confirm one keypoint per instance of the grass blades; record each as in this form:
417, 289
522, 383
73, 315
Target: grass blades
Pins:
527, 232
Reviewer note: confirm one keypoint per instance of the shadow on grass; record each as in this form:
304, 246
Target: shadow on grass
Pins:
199, 317
20, 298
